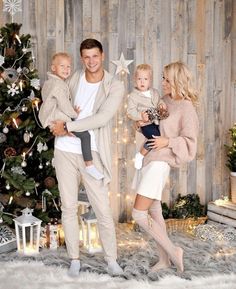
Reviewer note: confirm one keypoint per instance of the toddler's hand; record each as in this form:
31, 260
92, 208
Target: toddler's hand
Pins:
144, 116
162, 111
77, 109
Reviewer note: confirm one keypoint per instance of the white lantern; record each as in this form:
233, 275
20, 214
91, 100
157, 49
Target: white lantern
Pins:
90, 234
27, 232
83, 201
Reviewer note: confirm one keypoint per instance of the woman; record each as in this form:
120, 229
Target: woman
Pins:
176, 145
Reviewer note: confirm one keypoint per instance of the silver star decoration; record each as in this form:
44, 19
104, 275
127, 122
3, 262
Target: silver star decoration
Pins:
12, 6
122, 64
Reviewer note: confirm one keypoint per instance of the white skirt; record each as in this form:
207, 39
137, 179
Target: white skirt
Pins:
152, 179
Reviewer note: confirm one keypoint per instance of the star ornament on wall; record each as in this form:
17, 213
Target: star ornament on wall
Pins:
122, 64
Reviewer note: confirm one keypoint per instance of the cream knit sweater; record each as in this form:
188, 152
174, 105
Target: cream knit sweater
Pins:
181, 127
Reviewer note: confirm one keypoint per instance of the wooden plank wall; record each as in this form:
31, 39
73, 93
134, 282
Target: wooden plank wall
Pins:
201, 33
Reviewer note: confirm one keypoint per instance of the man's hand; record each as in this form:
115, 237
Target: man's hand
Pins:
57, 128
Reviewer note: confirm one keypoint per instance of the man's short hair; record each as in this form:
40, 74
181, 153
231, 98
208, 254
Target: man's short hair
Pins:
89, 44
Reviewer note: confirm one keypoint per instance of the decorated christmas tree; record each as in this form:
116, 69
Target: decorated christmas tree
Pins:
231, 150
27, 177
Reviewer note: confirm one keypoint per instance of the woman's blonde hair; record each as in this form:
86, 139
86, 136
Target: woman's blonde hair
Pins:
181, 81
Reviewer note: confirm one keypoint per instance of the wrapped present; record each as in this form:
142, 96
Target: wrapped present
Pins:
7, 239
55, 234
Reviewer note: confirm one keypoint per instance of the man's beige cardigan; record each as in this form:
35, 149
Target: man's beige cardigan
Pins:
107, 102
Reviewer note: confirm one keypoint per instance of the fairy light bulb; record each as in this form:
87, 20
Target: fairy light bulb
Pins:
21, 85
23, 163
10, 200
18, 38
15, 122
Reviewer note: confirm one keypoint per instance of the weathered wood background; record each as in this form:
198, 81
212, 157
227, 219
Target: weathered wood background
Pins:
201, 33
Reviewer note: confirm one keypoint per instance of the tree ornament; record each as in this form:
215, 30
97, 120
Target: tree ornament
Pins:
25, 70
24, 164
24, 108
8, 186
1, 60
12, 6
5, 129
9, 152
13, 89
35, 83
27, 193
49, 182
9, 52
3, 137
17, 170
47, 163
45, 147
10, 74
19, 70
26, 137
40, 166
40, 147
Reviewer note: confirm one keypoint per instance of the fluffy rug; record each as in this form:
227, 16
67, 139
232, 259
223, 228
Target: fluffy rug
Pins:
35, 275
208, 264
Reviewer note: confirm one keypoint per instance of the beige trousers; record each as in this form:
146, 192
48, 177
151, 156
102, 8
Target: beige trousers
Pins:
70, 168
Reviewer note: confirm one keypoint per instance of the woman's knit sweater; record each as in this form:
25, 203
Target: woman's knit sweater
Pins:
181, 127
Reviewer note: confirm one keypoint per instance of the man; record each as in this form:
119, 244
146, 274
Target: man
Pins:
98, 95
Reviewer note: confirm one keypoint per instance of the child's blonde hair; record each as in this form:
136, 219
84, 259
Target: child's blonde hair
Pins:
60, 54
145, 67
180, 79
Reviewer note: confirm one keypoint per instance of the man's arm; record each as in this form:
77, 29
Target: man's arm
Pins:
100, 118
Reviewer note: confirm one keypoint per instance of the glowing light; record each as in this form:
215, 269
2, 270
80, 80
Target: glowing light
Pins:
21, 85
18, 38
35, 103
10, 200
15, 123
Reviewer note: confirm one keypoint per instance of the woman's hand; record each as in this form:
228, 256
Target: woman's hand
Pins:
158, 142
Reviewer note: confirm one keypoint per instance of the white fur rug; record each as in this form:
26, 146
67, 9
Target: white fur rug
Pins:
35, 275
208, 265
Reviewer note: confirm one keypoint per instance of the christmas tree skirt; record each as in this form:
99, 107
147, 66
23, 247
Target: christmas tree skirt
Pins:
210, 263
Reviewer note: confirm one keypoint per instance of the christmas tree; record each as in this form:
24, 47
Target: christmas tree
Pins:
27, 177
231, 150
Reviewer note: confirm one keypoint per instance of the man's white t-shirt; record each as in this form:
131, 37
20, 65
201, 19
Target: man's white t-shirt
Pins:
85, 99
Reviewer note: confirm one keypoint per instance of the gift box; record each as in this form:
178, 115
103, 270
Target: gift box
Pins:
7, 239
